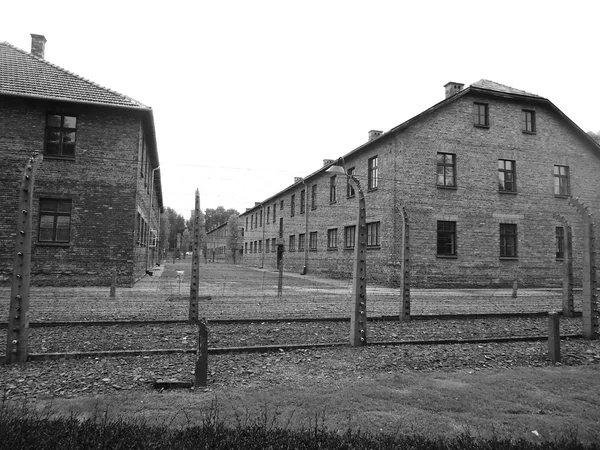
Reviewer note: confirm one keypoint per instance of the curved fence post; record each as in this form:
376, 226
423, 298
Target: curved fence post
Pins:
567, 302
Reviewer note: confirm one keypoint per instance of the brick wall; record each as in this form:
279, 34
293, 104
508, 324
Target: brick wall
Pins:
101, 182
407, 176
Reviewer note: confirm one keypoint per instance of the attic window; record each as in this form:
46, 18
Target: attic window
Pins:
60, 136
528, 121
481, 116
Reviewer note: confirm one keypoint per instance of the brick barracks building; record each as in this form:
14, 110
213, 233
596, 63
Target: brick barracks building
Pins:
481, 176
97, 192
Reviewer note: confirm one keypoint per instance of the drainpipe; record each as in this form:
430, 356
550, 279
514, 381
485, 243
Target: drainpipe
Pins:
150, 218
262, 264
306, 236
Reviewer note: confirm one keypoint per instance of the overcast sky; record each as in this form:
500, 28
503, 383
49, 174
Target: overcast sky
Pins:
249, 94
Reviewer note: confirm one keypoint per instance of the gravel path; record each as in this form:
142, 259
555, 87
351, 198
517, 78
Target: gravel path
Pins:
93, 376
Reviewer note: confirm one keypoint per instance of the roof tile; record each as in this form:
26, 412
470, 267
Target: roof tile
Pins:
22, 73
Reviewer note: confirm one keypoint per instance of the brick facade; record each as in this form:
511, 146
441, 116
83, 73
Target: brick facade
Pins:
407, 158
105, 188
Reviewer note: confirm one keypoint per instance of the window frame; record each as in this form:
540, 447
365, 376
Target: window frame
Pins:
332, 189
446, 238
528, 121
562, 182
503, 172
302, 201
55, 214
332, 239
349, 237
373, 173
481, 113
444, 166
509, 241
374, 226
62, 129
301, 241
350, 193
292, 243
313, 197
312, 240
560, 242
292, 205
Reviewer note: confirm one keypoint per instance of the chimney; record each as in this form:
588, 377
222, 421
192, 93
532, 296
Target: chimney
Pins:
374, 134
297, 179
38, 45
453, 88
326, 162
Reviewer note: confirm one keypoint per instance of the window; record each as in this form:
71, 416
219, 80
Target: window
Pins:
273, 245
281, 227
268, 214
251, 247
349, 188
260, 246
274, 212
446, 238
373, 174
293, 205
55, 221
267, 245
292, 245
349, 236
373, 234
281, 204
302, 200
560, 243
246, 247
332, 192
507, 179
60, 135
313, 197
246, 222
561, 181
446, 170
529, 121
332, 238
481, 116
261, 214
312, 242
508, 240
301, 239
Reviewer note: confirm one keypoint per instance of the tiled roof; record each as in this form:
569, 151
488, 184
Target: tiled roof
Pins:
493, 86
23, 74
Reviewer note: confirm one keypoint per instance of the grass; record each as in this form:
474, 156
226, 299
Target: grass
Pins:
534, 404
24, 429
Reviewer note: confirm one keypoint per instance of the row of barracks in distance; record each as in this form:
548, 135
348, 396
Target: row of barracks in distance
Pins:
97, 193
481, 175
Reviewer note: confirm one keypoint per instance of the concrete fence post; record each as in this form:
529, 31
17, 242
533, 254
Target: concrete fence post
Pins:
113, 284
553, 337
515, 287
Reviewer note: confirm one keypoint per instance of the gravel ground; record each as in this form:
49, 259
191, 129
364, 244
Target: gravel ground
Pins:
92, 376
161, 336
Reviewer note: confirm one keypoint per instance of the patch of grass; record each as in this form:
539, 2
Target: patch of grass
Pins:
21, 428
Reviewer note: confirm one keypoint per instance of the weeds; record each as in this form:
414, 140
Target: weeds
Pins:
22, 428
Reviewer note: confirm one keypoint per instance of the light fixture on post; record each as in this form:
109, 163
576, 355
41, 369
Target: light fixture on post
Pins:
358, 319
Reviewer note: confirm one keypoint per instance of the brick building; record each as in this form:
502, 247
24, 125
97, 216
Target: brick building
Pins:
481, 176
97, 192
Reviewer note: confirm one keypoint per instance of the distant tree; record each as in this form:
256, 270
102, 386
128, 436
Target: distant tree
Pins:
214, 217
176, 225
190, 226
594, 136
234, 235
165, 228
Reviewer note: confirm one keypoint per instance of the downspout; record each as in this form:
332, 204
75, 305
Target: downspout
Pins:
306, 238
150, 218
263, 224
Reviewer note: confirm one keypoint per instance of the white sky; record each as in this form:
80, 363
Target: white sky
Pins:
249, 94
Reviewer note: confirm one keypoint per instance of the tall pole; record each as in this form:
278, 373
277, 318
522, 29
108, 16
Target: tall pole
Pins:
18, 313
194, 282
405, 289
358, 319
